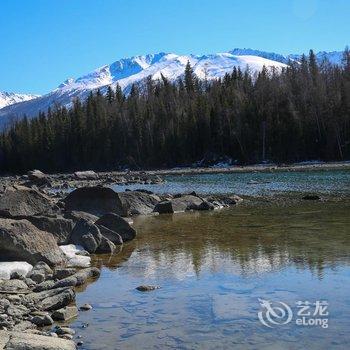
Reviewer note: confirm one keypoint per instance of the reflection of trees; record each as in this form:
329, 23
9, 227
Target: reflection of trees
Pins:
241, 240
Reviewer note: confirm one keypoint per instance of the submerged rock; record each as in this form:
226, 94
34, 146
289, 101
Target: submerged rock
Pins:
85, 307
112, 236
312, 197
117, 224
106, 246
147, 288
65, 313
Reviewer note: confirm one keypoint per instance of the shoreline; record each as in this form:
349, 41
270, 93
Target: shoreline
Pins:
322, 166
250, 168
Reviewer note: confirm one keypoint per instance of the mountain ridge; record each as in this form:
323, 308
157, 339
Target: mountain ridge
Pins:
128, 71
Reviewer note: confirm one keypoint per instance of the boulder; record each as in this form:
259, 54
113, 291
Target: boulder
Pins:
65, 313
22, 241
205, 206
59, 226
46, 285
52, 299
86, 234
94, 200
38, 178
31, 341
64, 272
231, 200
106, 246
41, 319
11, 286
138, 203
311, 197
164, 207
179, 204
117, 224
77, 215
86, 175
40, 272
79, 278
112, 236
20, 201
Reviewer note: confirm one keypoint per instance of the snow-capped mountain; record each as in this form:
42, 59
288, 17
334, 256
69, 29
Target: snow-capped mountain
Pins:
126, 72
10, 98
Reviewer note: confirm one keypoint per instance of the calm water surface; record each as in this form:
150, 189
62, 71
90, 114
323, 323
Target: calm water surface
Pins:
212, 268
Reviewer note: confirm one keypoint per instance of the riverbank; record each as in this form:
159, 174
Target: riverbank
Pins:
47, 238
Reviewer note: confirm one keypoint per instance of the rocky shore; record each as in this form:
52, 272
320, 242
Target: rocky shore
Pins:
49, 227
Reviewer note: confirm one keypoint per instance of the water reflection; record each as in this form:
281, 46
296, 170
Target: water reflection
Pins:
212, 268
239, 240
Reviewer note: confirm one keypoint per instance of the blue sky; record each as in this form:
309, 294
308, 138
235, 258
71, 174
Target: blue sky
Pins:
43, 42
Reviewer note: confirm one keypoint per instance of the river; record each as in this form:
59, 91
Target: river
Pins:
215, 269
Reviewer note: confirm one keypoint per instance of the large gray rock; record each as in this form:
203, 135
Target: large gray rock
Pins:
52, 299
59, 226
63, 272
41, 319
86, 175
77, 215
11, 286
20, 201
40, 272
138, 203
94, 200
22, 241
30, 341
106, 246
79, 278
86, 234
38, 178
179, 204
117, 224
112, 236
65, 313
164, 207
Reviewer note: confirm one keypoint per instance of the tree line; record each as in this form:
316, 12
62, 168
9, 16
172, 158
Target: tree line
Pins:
300, 113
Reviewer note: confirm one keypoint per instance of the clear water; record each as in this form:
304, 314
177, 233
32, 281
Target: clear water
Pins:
212, 268
259, 183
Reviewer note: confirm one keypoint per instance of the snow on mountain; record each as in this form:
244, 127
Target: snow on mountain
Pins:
10, 98
126, 72
334, 57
